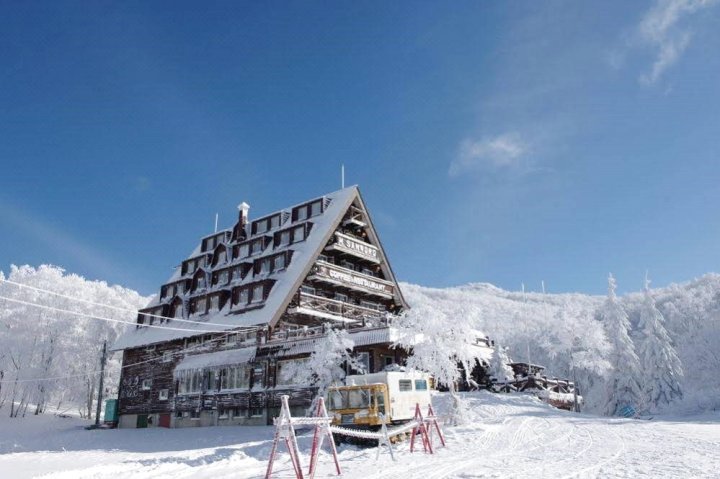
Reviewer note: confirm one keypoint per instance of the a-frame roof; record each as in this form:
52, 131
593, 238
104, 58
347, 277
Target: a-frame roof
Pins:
286, 282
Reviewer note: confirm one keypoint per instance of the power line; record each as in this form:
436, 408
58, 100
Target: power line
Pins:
92, 373
112, 320
21, 285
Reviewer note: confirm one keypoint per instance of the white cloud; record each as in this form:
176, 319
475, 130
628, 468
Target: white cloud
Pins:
659, 29
504, 151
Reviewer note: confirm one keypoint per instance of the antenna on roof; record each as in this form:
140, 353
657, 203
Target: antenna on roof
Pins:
342, 175
216, 221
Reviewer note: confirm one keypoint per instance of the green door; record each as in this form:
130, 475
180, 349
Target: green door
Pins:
142, 420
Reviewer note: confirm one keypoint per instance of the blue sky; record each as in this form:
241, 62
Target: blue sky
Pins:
502, 142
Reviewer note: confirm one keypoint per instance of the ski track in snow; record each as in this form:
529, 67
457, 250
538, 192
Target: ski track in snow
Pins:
508, 437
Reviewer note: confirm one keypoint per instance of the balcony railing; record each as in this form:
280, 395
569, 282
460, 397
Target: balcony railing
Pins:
348, 278
333, 309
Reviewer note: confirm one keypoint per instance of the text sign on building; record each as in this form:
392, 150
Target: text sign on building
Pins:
357, 247
353, 279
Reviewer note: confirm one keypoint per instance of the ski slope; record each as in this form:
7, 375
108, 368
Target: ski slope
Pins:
509, 436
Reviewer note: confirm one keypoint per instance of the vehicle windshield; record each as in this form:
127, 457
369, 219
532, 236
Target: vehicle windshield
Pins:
348, 398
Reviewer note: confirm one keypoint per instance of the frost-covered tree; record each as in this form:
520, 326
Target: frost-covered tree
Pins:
623, 383
438, 343
500, 369
661, 367
36, 343
327, 364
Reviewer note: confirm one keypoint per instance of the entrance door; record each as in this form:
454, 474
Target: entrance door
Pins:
164, 420
142, 421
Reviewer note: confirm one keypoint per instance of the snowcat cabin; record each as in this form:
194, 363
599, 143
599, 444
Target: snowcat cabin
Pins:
365, 396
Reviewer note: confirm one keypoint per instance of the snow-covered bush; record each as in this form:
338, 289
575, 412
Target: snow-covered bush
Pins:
500, 369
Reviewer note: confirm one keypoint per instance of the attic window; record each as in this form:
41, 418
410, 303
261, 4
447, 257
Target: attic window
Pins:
315, 208
214, 303
257, 293
266, 224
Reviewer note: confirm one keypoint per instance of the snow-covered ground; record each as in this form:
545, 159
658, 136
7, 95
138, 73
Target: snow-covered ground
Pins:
511, 436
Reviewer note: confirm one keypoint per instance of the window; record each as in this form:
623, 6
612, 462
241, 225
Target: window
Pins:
179, 414
190, 267
214, 303
163, 395
195, 414
405, 385
211, 380
256, 412
279, 262
257, 246
284, 238
341, 297
179, 288
221, 256
237, 273
257, 293
244, 250
274, 222
200, 282
420, 385
301, 213
298, 233
315, 208
231, 338
222, 277
244, 296
265, 265
261, 226
199, 306
146, 384
307, 289
235, 377
287, 372
189, 381
167, 357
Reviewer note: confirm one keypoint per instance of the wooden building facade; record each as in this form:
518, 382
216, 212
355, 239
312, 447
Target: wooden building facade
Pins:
249, 300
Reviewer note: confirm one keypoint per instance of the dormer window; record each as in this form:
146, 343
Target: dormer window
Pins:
257, 293
220, 256
257, 246
199, 306
301, 213
222, 277
266, 224
278, 262
244, 250
284, 238
298, 233
176, 310
214, 303
265, 265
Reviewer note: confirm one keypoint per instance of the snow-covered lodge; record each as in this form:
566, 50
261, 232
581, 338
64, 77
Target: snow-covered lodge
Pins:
248, 301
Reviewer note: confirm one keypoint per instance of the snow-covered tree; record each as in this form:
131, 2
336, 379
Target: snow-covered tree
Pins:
438, 343
326, 366
36, 343
500, 369
623, 383
661, 367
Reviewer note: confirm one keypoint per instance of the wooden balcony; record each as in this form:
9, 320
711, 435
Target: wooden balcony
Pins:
332, 309
337, 275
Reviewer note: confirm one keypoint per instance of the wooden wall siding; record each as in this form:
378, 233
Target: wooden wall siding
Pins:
132, 399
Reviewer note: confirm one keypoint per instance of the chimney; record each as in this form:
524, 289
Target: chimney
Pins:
244, 209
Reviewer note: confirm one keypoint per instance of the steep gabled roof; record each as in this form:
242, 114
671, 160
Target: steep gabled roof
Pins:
285, 284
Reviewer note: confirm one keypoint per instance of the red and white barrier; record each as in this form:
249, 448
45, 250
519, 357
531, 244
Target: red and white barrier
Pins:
284, 429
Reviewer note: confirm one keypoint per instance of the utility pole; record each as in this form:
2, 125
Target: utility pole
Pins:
100, 388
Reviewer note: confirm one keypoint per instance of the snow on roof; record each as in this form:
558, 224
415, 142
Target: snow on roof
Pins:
286, 282
218, 358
